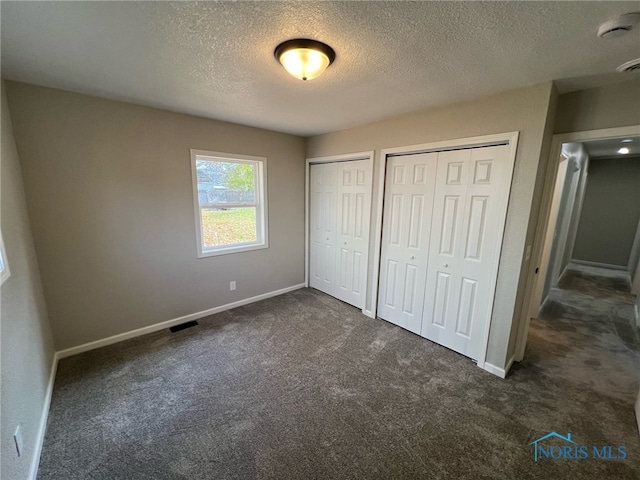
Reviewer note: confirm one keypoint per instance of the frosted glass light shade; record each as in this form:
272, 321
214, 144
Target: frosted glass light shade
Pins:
304, 59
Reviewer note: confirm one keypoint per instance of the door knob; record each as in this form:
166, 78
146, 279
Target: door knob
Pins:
412, 257
345, 243
445, 265
327, 239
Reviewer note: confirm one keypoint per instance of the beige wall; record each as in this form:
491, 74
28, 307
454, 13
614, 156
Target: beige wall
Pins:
26, 341
526, 110
616, 105
109, 192
610, 212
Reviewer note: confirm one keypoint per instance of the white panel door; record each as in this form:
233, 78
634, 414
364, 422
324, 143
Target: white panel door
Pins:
322, 226
352, 241
408, 204
469, 209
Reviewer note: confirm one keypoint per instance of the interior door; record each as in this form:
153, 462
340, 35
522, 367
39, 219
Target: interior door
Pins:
408, 204
352, 241
322, 226
471, 195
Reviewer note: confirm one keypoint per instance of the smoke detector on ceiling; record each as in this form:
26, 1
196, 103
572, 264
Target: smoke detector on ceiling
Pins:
631, 66
619, 26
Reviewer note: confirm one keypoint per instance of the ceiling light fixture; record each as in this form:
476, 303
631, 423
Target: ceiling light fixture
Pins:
627, 140
304, 58
623, 150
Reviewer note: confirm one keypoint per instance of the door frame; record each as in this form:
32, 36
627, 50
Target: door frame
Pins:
543, 219
508, 138
347, 157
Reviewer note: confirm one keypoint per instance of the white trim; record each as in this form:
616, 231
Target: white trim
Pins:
599, 265
507, 138
306, 224
170, 323
5, 273
347, 157
260, 203
634, 255
377, 249
42, 428
543, 219
368, 313
637, 409
500, 372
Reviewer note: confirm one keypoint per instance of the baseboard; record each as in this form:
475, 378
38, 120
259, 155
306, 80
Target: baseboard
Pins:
500, 372
170, 323
600, 265
35, 461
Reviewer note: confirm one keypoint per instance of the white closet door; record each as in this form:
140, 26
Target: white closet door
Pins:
352, 242
471, 195
408, 204
322, 226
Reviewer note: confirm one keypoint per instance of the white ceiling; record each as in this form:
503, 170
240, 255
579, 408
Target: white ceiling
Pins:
215, 59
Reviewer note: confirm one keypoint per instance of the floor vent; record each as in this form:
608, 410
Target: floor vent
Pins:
182, 326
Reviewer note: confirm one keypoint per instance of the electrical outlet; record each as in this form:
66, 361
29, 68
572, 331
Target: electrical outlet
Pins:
527, 254
17, 437
232, 285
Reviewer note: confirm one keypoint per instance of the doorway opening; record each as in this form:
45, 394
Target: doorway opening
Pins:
588, 273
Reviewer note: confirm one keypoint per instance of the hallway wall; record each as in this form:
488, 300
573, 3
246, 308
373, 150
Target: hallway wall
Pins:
610, 213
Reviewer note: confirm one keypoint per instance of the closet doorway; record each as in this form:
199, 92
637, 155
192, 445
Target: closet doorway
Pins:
444, 213
339, 213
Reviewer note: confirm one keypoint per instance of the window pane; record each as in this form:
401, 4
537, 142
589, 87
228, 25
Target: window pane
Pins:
225, 182
226, 226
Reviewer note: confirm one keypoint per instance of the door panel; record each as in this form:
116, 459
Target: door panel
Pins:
322, 223
354, 192
470, 205
408, 204
340, 197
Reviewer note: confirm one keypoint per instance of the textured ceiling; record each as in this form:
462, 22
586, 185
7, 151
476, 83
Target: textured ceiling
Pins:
215, 59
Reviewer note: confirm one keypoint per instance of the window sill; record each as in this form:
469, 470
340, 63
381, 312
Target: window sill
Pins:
232, 249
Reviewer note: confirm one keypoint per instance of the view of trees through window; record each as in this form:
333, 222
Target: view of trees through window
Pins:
227, 198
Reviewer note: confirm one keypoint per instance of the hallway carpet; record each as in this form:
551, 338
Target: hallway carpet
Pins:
302, 386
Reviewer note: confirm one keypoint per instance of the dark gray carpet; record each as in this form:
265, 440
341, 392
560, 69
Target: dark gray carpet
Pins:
302, 386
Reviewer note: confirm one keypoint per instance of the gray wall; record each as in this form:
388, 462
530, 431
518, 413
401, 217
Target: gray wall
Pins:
528, 110
616, 105
610, 212
26, 341
108, 186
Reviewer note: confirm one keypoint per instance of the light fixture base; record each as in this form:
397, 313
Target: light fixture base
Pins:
304, 58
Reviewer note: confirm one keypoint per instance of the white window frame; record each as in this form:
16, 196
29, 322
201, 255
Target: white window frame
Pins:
260, 203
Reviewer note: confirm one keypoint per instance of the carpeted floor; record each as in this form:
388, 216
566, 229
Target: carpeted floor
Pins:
302, 386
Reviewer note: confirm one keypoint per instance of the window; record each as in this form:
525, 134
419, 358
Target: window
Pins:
4, 266
229, 193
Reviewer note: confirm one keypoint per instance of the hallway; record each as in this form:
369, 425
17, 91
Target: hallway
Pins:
586, 346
